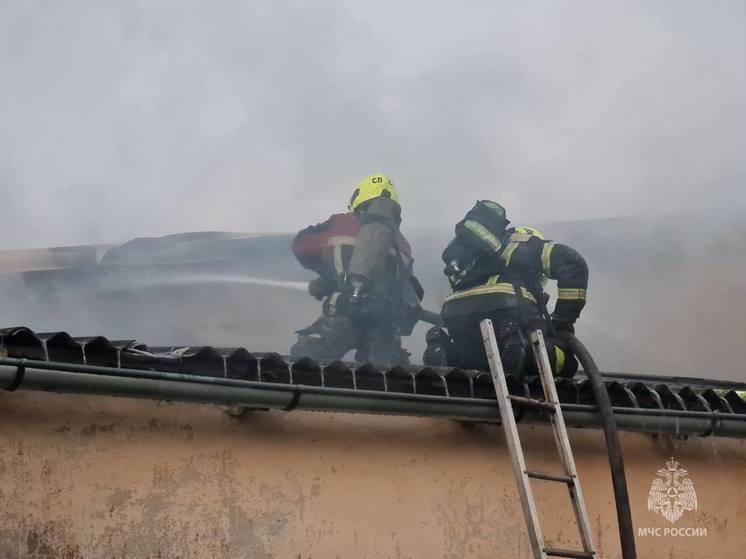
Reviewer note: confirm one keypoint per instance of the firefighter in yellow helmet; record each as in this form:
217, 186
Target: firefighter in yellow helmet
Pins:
365, 282
498, 272
373, 187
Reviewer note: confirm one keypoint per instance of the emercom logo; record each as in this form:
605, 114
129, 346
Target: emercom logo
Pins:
671, 495
660, 532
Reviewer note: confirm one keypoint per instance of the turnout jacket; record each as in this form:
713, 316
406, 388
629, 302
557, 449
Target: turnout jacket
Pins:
512, 272
365, 244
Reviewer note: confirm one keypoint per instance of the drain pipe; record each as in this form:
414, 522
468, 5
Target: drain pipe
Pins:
157, 385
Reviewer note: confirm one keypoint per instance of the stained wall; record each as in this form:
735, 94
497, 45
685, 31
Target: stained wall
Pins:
104, 477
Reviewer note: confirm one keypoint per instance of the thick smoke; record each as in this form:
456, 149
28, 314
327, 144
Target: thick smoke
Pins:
128, 119
122, 120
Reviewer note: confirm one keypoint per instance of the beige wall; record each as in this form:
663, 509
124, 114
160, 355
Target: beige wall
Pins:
97, 477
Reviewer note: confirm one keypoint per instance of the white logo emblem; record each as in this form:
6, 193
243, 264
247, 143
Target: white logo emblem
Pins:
672, 493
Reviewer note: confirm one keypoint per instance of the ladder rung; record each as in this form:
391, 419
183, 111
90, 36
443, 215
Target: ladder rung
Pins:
541, 405
549, 405
552, 552
550, 477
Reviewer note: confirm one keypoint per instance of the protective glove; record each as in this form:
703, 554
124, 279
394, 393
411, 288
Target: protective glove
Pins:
353, 298
356, 296
438, 347
321, 287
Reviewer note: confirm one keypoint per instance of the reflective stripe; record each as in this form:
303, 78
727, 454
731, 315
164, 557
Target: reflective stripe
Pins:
514, 240
483, 233
507, 254
494, 280
571, 294
530, 231
559, 360
342, 240
546, 255
520, 237
337, 243
333, 302
488, 289
338, 264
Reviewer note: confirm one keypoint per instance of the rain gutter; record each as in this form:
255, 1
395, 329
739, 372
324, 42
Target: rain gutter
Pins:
157, 385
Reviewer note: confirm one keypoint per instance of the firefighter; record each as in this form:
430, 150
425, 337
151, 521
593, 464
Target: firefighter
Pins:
365, 282
499, 273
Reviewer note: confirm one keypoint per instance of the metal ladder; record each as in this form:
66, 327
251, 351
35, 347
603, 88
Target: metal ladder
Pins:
523, 476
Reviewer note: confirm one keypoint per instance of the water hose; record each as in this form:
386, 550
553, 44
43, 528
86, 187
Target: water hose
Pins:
614, 449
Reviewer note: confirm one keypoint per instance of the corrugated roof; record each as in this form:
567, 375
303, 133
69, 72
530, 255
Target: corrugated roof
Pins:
633, 391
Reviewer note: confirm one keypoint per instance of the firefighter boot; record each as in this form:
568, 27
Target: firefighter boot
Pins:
513, 347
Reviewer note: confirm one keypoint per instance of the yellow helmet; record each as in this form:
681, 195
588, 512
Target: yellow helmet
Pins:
372, 187
529, 231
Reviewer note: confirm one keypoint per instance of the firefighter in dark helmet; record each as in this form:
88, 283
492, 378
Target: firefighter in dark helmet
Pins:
364, 265
499, 273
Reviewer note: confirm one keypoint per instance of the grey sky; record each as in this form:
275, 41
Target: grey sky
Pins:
122, 119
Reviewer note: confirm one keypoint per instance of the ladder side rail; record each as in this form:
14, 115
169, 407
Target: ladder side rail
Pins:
556, 419
513, 441
561, 437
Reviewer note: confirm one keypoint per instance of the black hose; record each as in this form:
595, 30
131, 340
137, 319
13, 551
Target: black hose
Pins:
616, 463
